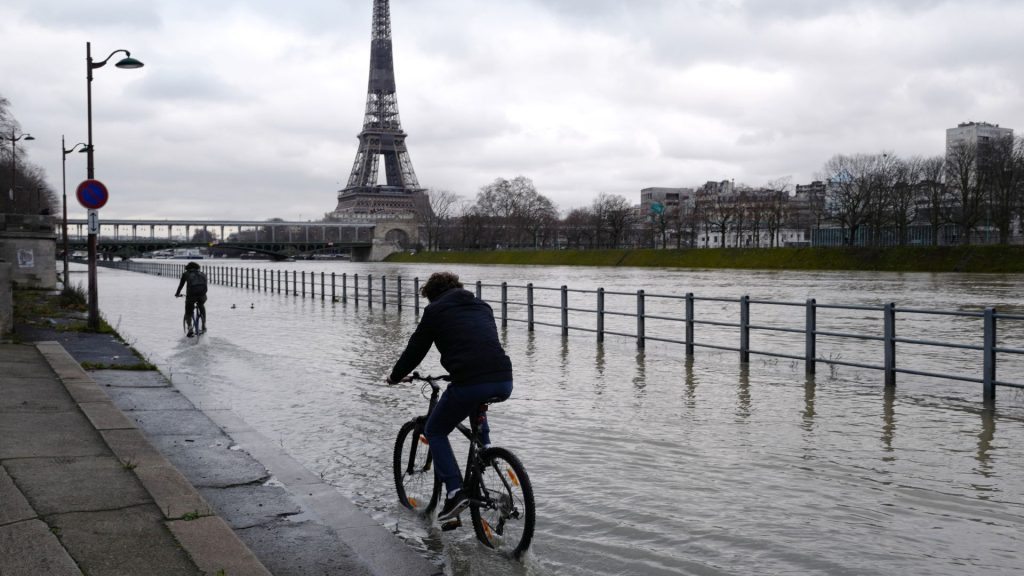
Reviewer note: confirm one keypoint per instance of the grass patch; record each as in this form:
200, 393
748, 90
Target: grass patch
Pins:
973, 259
73, 298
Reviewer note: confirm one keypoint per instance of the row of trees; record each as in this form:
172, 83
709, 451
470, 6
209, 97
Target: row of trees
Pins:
23, 186
513, 214
976, 185
872, 199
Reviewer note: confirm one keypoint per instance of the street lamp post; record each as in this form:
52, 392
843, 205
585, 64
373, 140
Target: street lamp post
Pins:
64, 181
126, 62
14, 160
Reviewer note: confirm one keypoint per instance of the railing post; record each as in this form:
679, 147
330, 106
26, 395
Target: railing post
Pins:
303, 284
744, 329
565, 311
640, 337
295, 282
689, 324
398, 292
369, 290
334, 290
383, 292
889, 342
416, 294
344, 287
600, 314
504, 304
810, 337
287, 292
989, 362
355, 287
322, 291
479, 290
529, 307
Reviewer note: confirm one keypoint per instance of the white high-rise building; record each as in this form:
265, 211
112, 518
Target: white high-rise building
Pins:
975, 133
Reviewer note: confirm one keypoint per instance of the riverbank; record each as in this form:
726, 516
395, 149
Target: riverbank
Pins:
974, 259
125, 467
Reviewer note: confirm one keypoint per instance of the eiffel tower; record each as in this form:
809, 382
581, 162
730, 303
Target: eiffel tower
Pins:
382, 136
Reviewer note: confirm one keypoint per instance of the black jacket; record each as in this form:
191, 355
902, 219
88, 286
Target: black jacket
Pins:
462, 327
196, 282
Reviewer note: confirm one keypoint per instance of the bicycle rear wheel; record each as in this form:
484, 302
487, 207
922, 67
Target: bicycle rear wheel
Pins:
418, 488
504, 515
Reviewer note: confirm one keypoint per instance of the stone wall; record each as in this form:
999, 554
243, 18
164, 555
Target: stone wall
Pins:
29, 244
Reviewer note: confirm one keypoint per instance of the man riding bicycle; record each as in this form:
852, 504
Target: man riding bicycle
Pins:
195, 294
463, 329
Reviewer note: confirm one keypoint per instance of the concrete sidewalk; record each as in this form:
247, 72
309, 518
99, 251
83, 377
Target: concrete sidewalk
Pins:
116, 471
82, 490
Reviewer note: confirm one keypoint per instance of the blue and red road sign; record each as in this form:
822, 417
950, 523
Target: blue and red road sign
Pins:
92, 194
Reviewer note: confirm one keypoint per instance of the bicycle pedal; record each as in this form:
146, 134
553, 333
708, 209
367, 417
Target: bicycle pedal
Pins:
451, 525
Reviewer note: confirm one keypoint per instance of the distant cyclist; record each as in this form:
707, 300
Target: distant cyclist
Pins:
195, 294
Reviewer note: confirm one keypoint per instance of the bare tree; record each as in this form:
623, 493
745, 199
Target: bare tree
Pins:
852, 187
1006, 180
578, 228
967, 184
684, 225
720, 212
773, 209
437, 220
905, 191
934, 194
613, 216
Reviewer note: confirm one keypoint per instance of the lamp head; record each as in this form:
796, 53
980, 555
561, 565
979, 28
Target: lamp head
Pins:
29, 137
129, 63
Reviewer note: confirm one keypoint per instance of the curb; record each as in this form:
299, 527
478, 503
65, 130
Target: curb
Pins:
206, 538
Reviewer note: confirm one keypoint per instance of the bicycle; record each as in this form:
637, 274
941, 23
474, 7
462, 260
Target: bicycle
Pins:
500, 493
193, 324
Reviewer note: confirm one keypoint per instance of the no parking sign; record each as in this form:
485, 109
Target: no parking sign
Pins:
92, 194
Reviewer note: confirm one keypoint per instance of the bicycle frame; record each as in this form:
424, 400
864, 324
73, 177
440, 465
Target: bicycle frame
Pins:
471, 433
495, 482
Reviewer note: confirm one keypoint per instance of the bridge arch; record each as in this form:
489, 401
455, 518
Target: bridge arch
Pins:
390, 236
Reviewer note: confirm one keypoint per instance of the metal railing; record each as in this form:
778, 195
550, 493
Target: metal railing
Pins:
556, 307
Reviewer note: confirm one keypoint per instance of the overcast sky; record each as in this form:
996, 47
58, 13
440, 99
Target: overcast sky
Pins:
250, 109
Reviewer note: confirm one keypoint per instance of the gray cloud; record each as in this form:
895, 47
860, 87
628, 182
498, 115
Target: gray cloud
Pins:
249, 110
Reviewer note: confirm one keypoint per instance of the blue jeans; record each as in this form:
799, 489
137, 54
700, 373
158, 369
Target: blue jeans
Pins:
456, 403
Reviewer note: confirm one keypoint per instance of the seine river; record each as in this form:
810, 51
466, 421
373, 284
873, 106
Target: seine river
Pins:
644, 462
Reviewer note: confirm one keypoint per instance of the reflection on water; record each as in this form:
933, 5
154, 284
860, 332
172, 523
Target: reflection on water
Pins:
644, 461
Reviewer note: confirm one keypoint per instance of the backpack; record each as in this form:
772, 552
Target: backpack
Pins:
196, 283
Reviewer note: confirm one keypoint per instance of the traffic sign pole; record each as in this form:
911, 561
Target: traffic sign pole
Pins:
92, 194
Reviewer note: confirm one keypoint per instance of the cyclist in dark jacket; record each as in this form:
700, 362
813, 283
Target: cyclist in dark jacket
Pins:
463, 329
195, 294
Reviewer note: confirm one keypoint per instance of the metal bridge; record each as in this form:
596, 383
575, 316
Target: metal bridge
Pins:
364, 238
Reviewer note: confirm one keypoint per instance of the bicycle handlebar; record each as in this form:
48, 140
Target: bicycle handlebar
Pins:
428, 378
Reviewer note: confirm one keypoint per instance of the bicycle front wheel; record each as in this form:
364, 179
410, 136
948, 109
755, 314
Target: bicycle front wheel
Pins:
504, 515
418, 487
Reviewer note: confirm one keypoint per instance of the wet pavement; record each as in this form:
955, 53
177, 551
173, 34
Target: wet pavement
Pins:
116, 471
